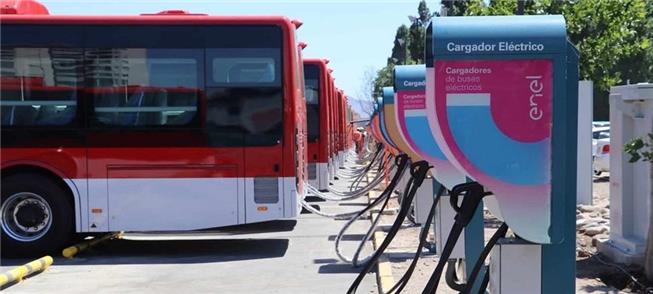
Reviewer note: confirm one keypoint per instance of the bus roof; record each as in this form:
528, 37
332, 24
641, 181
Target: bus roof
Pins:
33, 12
22, 7
147, 20
317, 61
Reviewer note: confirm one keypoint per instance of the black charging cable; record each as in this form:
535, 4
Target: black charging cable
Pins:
403, 281
418, 172
474, 194
451, 276
480, 262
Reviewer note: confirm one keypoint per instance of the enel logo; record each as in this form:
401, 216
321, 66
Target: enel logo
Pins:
535, 86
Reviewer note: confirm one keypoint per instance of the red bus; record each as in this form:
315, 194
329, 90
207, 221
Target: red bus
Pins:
331, 125
159, 122
342, 126
316, 77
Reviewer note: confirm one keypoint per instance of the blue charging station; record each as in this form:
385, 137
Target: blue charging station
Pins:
502, 104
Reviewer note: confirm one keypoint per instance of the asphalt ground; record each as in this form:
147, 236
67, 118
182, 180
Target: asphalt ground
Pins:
300, 259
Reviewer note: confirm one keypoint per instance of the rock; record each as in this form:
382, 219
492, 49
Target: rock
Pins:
589, 222
581, 253
586, 208
580, 216
595, 230
600, 238
605, 211
582, 222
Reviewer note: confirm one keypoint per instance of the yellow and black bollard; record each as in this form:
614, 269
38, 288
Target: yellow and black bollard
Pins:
72, 250
18, 273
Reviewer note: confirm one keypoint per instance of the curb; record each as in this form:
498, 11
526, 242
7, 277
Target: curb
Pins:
384, 278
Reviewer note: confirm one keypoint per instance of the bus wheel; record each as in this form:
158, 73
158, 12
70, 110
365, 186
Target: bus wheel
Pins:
36, 215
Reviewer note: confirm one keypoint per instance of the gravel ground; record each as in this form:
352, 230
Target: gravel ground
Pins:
591, 274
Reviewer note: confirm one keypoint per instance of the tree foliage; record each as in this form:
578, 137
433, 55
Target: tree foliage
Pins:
614, 37
408, 47
640, 149
400, 49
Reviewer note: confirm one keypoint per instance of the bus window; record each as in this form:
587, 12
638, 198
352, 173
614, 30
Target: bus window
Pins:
244, 67
143, 86
39, 86
312, 92
245, 92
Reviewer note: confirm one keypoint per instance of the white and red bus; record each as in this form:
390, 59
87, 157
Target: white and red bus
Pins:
331, 113
316, 77
159, 122
342, 127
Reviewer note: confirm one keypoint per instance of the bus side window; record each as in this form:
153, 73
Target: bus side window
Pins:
39, 86
145, 87
244, 92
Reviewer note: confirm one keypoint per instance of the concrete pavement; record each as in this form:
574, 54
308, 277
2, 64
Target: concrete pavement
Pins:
298, 261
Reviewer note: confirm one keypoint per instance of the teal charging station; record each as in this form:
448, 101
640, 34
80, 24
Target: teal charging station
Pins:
502, 104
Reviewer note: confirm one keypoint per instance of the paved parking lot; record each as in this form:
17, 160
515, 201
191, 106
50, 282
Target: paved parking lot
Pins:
300, 260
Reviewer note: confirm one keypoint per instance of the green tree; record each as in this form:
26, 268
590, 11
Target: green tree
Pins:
418, 33
461, 7
383, 78
400, 49
416, 44
424, 13
613, 37
408, 47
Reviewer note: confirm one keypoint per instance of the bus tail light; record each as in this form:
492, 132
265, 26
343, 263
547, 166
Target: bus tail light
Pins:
605, 149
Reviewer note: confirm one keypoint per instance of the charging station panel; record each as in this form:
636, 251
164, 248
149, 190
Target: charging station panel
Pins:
494, 85
410, 115
444, 220
391, 126
502, 98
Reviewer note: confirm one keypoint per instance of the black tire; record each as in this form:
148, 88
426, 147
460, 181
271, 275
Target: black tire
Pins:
62, 223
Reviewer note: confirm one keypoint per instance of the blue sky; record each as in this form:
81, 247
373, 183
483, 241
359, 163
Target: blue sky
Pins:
355, 35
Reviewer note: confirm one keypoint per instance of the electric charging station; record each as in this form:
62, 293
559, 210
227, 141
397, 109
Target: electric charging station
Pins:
502, 105
411, 119
392, 130
382, 126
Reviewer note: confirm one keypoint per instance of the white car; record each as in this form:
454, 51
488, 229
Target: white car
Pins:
599, 124
601, 150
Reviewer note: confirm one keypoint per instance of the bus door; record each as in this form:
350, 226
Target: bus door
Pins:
253, 76
164, 151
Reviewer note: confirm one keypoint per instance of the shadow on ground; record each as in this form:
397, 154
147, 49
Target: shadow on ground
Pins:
601, 179
614, 276
339, 268
172, 252
203, 246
